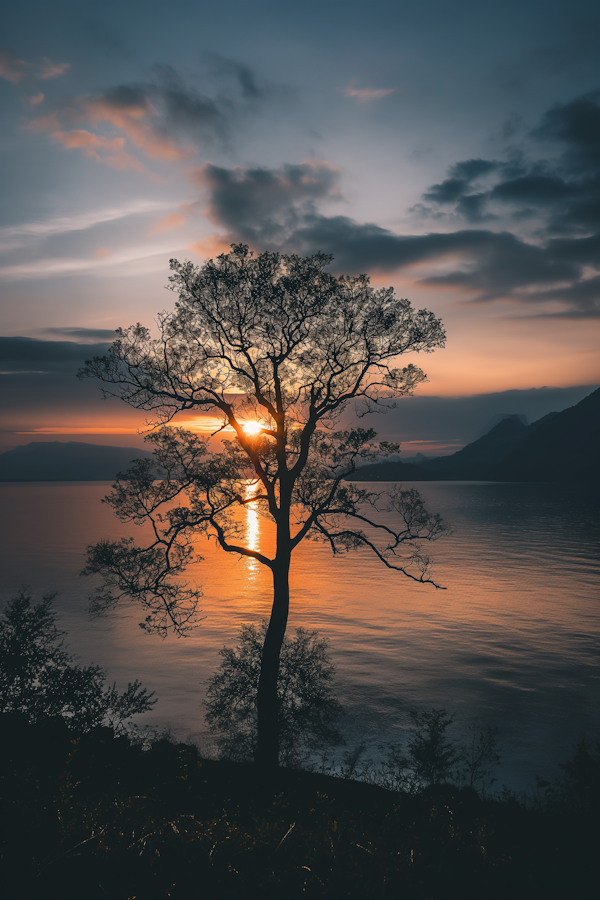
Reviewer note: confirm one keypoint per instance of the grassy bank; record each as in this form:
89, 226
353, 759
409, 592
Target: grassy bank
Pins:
94, 815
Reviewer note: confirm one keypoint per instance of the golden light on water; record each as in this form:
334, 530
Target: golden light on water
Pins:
252, 528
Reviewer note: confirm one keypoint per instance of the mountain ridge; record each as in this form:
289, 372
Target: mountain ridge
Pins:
66, 461
558, 447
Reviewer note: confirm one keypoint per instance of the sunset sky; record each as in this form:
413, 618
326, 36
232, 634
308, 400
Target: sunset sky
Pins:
450, 150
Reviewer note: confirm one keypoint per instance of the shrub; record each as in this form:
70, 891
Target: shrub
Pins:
308, 708
41, 680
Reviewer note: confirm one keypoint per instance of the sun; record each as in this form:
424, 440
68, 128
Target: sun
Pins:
252, 428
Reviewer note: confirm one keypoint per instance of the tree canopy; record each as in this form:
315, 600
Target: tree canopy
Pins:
278, 341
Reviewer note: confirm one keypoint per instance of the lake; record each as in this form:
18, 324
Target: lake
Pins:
513, 639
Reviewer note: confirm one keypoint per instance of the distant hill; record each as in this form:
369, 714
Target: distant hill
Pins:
559, 447
66, 461
564, 447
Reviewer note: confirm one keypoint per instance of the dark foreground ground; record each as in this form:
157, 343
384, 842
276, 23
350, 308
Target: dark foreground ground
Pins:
93, 816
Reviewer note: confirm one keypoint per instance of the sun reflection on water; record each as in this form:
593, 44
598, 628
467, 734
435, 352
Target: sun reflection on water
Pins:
252, 530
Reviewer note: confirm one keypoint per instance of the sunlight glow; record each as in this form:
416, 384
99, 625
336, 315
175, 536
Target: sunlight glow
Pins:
252, 428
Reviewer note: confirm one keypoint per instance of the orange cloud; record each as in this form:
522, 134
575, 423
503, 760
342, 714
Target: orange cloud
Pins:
52, 70
116, 155
212, 246
44, 123
129, 119
169, 223
366, 95
34, 101
101, 252
13, 69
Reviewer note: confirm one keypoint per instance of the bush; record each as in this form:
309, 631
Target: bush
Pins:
40, 679
308, 708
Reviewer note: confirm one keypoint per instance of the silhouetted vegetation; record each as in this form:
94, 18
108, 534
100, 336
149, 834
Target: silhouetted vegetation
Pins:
277, 348
40, 680
90, 811
308, 709
95, 815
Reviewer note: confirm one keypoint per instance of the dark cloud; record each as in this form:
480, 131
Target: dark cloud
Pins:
83, 334
582, 296
262, 205
38, 382
563, 191
577, 126
456, 187
245, 77
23, 354
275, 209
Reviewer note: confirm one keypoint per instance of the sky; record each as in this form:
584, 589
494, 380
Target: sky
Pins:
449, 150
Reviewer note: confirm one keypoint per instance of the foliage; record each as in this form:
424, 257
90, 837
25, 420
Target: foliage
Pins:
432, 757
40, 679
580, 784
479, 757
92, 815
308, 708
278, 340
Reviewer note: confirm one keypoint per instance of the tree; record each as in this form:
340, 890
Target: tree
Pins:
278, 341
308, 708
40, 679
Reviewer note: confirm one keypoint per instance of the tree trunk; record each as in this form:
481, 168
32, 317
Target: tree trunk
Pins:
267, 750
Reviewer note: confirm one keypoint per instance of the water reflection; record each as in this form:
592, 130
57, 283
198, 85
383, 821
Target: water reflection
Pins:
515, 637
252, 530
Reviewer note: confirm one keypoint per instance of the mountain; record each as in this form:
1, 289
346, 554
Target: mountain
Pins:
564, 447
473, 461
66, 461
559, 447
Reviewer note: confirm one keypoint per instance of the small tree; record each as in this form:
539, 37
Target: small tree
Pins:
308, 709
277, 341
433, 755
40, 679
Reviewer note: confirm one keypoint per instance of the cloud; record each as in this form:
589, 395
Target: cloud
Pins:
276, 209
243, 76
166, 118
30, 354
562, 192
36, 100
95, 335
13, 69
42, 394
132, 112
109, 150
459, 420
364, 96
17, 235
105, 264
169, 223
17, 70
53, 70
262, 205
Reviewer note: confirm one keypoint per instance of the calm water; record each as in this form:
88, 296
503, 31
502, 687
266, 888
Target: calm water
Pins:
514, 639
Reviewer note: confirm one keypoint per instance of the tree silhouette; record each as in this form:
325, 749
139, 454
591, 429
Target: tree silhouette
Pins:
308, 708
40, 679
277, 340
